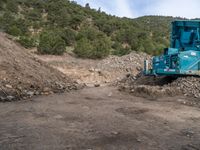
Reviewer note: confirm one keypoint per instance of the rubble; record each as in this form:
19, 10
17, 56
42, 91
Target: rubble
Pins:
131, 63
190, 86
114, 68
92, 72
147, 86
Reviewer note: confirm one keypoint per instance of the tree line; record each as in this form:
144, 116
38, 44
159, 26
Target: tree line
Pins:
53, 25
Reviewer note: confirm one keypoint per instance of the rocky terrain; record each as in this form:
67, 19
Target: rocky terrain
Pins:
97, 72
141, 85
125, 72
155, 113
22, 75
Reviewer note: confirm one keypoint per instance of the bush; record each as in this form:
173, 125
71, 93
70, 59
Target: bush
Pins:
92, 45
34, 15
68, 36
102, 47
7, 20
51, 43
119, 50
27, 42
13, 30
84, 48
2, 5
22, 25
88, 32
12, 6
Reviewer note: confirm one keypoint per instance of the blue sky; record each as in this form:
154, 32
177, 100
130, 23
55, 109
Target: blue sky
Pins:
136, 8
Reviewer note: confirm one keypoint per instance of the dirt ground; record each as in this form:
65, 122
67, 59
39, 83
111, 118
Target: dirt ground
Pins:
91, 72
22, 75
99, 119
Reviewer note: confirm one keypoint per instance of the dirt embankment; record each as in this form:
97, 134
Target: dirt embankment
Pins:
22, 75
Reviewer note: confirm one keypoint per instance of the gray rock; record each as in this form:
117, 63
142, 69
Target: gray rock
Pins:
10, 98
30, 93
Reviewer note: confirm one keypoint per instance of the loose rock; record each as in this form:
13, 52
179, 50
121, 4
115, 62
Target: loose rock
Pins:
146, 86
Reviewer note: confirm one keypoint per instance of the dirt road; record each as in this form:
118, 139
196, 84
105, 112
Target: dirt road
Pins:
99, 119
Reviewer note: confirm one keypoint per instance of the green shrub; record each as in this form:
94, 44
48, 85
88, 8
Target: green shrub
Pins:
92, 44
119, 50
148, 34
102, 47
22, 25
84, 48
68, 36
2, 3
7, 20
88, 32
12, 6
14, 30
27, 42
51, 43
34, 15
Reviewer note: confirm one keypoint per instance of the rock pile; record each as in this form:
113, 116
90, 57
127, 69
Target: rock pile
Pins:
190, 86
161, 86
115, 68
97, 72
131, 63
22, 75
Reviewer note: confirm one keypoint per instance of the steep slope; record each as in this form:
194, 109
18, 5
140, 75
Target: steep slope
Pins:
22, 75
26, 19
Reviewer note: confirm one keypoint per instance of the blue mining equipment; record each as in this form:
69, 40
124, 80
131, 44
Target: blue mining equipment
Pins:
183, 56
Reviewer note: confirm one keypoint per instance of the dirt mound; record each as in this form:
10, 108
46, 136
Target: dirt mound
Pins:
161, 86
23, 75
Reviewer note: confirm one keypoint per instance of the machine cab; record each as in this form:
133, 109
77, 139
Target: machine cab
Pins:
183, 56
185, 35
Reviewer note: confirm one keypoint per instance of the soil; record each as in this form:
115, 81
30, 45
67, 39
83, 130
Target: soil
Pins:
99, 119
91, 72
23, 75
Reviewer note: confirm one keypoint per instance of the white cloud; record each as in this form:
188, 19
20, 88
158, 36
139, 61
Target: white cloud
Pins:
123, 9
136, 8
182, 8
119, 8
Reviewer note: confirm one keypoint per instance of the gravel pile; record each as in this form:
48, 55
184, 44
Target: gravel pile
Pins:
131, 63
190, 86
161, 86
115, 68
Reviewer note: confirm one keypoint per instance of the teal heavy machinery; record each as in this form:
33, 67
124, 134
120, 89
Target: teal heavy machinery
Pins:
183, 56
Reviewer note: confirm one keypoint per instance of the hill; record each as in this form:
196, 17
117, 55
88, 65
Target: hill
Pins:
91, 33
22, 75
